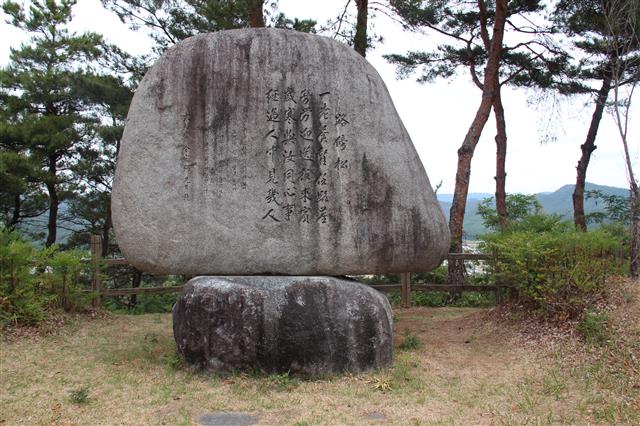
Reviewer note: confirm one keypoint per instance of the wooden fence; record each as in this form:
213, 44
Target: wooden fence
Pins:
405, 287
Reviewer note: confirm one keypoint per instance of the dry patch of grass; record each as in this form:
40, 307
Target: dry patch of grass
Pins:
463, 368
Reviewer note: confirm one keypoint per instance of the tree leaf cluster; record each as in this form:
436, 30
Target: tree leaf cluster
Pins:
168, 22
59, 105
531, 58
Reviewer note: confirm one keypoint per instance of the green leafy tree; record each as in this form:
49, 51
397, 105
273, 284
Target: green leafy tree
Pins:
170, 22
476, 34
519, 207
623, 37
49, 107
609, 58
616, 208
21, 195
90, 210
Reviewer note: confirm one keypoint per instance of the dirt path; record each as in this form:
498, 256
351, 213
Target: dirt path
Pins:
468, 369
464, 339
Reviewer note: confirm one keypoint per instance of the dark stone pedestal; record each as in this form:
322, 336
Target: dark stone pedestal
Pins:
307, 325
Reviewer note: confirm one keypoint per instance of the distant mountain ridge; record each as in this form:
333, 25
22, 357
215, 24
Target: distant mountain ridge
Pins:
556, 202
471, 196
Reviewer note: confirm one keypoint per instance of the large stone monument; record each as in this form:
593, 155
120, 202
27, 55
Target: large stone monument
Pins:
272, 152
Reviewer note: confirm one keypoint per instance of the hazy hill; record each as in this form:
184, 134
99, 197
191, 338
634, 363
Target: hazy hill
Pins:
558, 201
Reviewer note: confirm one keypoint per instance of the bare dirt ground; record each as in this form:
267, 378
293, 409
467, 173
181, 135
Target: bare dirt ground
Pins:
472, 367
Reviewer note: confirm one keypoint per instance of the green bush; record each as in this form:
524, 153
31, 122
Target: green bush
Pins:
437, 299
559, 271
33, 280
437, 276
21, 297
145, 303
68, 276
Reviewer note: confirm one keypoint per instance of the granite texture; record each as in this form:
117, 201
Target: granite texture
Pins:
305, 325
265, 151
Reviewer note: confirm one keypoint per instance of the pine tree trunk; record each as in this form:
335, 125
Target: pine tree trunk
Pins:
587, 149
106, 227
501, 156
52, 225
15, 216
635, 231
256, 15
465, 152
360, 39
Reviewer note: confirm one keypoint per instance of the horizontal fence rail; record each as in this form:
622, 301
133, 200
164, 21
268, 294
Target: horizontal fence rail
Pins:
142, 290
387, 288
405, 286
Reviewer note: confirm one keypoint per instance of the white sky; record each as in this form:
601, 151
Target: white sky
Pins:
437, 115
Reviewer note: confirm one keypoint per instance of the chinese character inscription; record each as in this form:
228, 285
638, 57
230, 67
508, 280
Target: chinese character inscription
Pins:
305, 144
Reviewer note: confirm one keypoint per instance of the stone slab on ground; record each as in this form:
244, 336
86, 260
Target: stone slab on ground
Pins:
307, 325
227, 418
376, 416
265, 151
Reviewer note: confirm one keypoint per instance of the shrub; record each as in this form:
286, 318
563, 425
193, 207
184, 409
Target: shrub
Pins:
21, 298
32, 280
145, 303
67, 276
558, 272
437, 276
436, 299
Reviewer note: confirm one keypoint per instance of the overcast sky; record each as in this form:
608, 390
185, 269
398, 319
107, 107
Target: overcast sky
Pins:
437, 115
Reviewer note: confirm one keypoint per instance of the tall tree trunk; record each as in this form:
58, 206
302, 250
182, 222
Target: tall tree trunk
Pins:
52, 225
635, 230
106, 227
501, 157
15, 216
465, 152
587, 149
360, 39
256, 15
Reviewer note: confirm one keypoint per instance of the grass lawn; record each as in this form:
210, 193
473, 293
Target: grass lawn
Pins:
458, 366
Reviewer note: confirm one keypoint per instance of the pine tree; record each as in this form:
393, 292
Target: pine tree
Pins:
601, 63
90, 209
170, 22
48, 109
476, 32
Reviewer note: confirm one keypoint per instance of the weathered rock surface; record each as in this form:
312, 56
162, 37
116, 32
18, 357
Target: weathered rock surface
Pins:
308, 325
271, 151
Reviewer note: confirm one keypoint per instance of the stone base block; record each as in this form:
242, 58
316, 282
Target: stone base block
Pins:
306, 325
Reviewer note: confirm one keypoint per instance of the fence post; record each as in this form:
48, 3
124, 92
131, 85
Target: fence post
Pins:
406, 289
96, 257
498, 295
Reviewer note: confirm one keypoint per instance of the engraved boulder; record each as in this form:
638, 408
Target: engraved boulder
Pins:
264, 151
